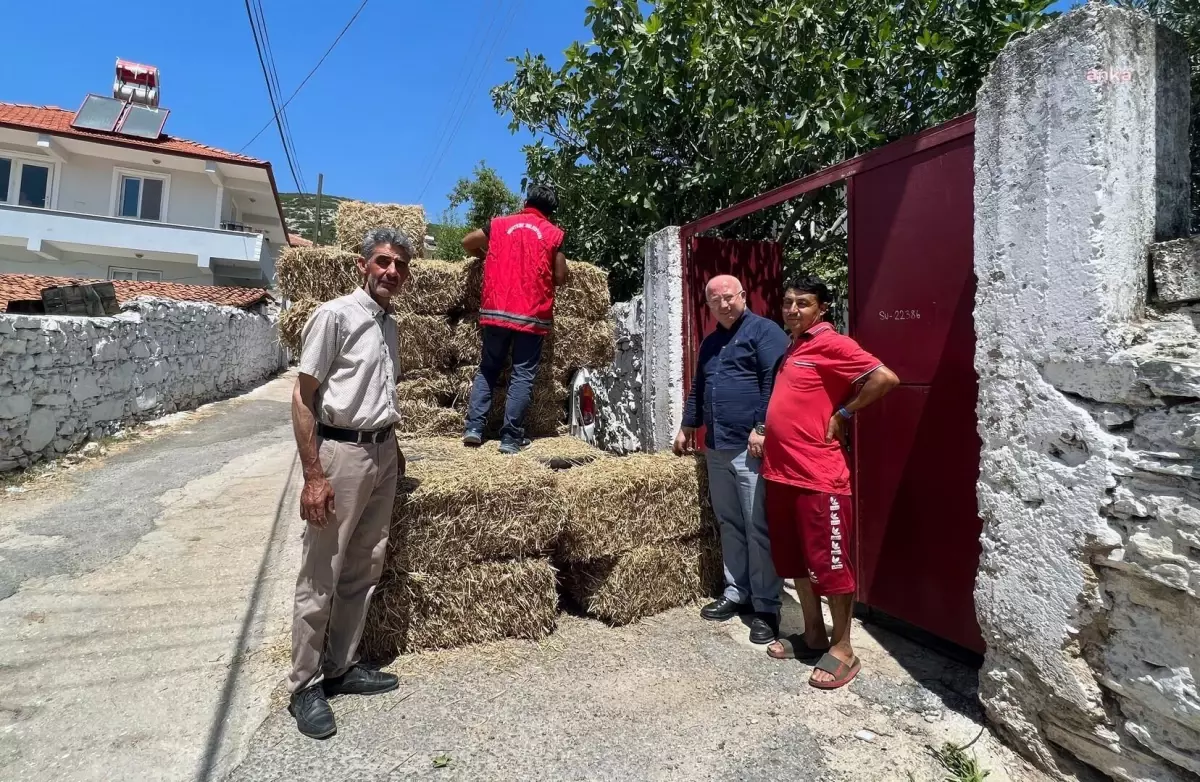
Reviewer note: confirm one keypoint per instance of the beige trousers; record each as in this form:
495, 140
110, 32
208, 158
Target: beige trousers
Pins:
342, 562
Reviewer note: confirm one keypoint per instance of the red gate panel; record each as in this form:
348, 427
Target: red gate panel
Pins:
917, 451
757, 265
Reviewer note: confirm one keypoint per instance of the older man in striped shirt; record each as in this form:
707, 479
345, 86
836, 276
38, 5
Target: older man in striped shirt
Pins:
344, 411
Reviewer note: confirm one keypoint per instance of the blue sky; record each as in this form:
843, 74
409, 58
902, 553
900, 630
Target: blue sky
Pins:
373, 117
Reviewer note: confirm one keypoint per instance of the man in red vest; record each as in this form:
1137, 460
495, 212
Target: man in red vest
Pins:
523, 265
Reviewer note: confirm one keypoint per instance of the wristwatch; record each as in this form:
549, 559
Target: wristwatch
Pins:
846, 414
760, 430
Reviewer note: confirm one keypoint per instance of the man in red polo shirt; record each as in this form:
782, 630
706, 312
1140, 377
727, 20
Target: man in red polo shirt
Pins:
523, 265
809, 509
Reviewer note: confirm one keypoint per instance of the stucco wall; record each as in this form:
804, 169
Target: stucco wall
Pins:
64, 380
1088, 582
662, 389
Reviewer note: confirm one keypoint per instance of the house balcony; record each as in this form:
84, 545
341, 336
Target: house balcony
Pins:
47, 233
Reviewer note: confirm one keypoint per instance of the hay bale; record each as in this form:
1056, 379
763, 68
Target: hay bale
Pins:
449, 388
560, 453
426, 342
412, 612
585, 295
434, 288
619, 504
464, 341
292, 322
461, 505
354, 218
576, 343
422, 419
317, 273
646, 580
473, 283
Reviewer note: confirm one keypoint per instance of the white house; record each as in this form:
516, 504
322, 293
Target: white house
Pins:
77, 202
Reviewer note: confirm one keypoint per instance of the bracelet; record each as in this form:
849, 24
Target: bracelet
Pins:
844, 413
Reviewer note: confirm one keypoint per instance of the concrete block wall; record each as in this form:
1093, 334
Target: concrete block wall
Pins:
1089, 401
65, 380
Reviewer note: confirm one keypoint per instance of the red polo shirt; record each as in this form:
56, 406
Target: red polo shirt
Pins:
815, 378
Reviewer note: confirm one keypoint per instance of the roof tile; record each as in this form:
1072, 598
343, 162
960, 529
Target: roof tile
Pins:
52, 119
29, 286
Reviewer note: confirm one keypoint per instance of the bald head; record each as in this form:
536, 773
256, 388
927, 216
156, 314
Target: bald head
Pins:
726, 299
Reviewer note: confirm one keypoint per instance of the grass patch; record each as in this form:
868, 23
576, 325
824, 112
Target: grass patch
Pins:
959, 766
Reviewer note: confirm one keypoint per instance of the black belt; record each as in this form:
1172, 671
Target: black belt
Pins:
354, 435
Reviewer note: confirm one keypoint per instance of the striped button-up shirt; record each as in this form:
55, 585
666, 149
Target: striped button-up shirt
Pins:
350, 346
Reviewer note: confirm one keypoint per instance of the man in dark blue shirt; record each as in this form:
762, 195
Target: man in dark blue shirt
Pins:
735, 373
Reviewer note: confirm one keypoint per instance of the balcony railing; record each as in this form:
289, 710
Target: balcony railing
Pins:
79, 231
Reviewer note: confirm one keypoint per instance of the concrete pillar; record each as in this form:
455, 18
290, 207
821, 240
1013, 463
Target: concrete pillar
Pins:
662, 384
1081, 163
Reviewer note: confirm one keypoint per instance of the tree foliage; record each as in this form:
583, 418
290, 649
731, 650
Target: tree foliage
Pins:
487, 195
1183, 16
666, 117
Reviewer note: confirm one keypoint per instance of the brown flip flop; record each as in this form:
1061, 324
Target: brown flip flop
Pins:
843, 673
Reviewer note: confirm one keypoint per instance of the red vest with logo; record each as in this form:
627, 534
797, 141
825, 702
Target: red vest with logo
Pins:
518, 273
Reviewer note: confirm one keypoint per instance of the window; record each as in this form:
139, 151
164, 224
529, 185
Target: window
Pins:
133, 275
141, 197
24, 183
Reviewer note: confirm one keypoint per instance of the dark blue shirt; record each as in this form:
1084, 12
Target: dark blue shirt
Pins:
735, 373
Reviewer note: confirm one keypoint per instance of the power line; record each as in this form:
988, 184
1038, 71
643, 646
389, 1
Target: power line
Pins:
264, 28
271, 95
462, 79
479, 80
309, 76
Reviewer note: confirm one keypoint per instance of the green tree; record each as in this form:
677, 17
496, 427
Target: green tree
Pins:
664, 118
1183, 16
487, 195
447, 236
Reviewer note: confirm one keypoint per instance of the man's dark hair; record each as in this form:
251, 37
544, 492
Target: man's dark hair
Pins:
542, 198
809, 283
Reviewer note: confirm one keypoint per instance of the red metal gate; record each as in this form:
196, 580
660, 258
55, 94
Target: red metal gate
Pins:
912, 289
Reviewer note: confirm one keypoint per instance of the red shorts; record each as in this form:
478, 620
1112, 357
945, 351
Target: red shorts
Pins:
811, 536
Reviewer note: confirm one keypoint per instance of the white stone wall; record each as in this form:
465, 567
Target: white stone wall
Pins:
1088, 402
618, 387
662, 391
64, 380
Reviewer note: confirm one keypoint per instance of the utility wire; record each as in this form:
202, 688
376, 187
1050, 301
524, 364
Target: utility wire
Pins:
478, 81
462, 79
271, 95
287, 125
309, 76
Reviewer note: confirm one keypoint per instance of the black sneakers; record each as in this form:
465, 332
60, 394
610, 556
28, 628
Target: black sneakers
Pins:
511, 446
361, 681
313, 716
473, 437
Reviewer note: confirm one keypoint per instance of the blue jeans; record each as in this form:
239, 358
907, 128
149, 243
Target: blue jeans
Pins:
738, 500
526, 357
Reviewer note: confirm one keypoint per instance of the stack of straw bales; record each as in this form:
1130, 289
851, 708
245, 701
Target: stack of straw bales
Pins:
480, 542
638, 536
438, 319
468, 557
440, 346
354, 218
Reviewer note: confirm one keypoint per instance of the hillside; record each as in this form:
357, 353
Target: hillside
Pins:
300, 209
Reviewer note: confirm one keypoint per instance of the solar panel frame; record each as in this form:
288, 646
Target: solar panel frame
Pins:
150, 119
103, 124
